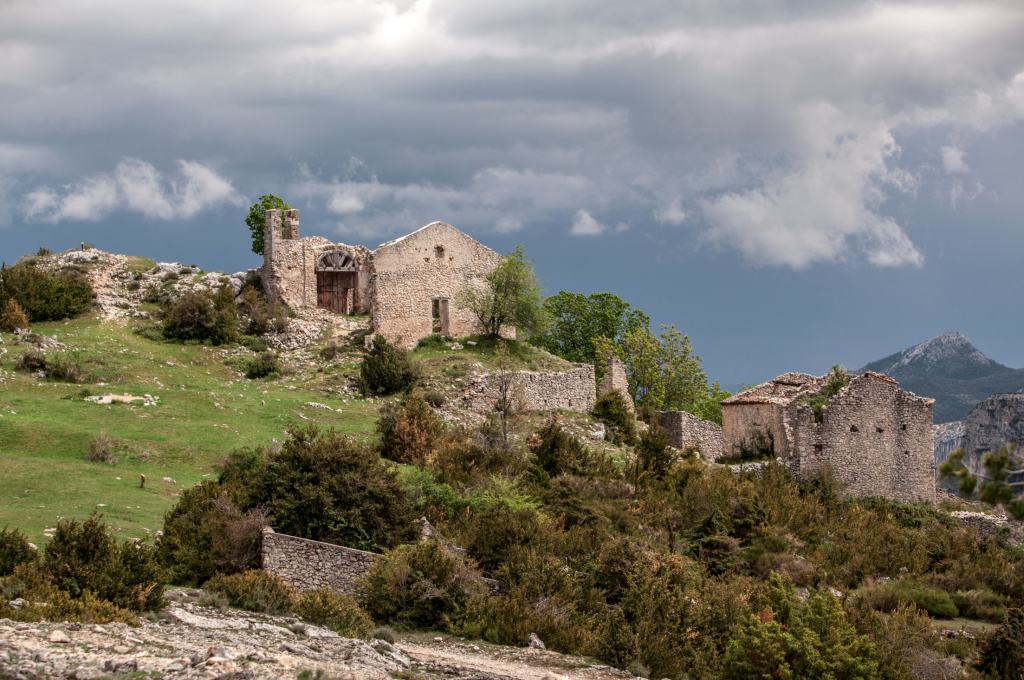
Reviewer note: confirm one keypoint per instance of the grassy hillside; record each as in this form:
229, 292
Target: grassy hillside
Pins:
205, 409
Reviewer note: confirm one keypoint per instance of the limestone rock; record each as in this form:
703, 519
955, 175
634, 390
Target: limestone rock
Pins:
59, 636
536, 642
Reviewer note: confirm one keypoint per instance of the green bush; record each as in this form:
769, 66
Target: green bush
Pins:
83, 557
324, 486
386, 369
887, 597
980, 603
256, 591
187, 550
435, 399
263, 366
198, 316
1002, 654
421, 585
612, 410
559, 453
45, 296
340, 613
653, 455
14, 550
498, 531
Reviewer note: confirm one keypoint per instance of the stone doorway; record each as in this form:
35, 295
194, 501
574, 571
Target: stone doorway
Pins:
336, 282
439, 314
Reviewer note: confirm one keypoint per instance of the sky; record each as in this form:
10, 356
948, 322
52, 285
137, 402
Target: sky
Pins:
792, 184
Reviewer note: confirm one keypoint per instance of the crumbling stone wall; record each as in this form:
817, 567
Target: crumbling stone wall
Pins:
615, 379
310, 565
433, 263
572, 390
289, 263
875, 437
686, 430
998, 420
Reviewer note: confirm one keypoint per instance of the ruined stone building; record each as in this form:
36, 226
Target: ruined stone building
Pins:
408, 284
874, 437
687, 431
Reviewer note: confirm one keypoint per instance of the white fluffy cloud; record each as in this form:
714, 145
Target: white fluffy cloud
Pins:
585, 225
135, 185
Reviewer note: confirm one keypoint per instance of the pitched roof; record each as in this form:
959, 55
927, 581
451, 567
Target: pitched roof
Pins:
781, 390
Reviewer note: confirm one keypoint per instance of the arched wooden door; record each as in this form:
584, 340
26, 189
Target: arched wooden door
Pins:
336, 279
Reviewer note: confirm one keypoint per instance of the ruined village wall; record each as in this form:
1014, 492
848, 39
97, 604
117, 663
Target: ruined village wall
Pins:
615, 379
289, 263
310, 565
741, 422
408, 277
686, 430
572, 390
875, 438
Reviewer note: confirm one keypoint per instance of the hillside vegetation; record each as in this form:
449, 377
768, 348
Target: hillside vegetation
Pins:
608, 543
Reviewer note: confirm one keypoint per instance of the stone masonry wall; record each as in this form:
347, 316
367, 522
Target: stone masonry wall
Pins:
615, 379
409, 276
310, 565
686, 430
289, 263
571, 390
742, 422
876, 438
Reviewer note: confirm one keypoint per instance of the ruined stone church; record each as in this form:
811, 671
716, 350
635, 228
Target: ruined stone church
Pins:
408, 284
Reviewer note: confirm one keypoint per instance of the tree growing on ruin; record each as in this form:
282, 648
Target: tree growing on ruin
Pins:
256, 220
512, 296
577, 319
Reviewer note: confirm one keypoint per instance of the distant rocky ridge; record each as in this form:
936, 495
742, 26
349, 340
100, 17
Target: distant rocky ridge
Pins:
951, 370
997, 421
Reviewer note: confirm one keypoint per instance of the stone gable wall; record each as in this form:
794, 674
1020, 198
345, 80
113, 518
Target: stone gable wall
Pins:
615, 379
876, 438
572, 390
310, 565
686, 430
408, 277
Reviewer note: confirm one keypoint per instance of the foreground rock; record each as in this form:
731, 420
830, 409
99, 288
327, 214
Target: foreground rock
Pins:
188, 640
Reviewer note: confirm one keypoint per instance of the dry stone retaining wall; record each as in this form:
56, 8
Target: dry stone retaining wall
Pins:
571, 390
615, 379
311, 565
686, 430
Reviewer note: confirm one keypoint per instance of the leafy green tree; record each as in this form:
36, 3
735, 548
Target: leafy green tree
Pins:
256, 220
512, 296
577, 319
386, 369
996, 487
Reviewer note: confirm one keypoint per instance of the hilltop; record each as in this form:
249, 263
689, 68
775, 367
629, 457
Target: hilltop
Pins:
951, 370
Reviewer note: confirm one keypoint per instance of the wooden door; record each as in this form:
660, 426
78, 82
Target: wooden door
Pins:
332, 290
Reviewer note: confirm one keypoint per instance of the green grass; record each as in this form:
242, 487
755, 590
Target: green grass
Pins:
530, 358
205, 409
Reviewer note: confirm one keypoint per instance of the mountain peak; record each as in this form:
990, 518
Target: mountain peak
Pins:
951, 346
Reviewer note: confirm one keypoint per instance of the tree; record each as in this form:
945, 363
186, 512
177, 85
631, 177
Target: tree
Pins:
996, 487
257, 219
578, 319
512, 296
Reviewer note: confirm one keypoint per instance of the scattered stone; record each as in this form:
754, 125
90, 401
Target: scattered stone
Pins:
536, 642
59, 636
122, 649
471, 343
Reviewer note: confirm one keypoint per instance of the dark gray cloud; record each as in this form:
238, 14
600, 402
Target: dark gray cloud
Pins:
797, 135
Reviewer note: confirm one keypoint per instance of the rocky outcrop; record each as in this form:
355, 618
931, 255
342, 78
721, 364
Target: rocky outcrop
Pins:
997, 421
948, 438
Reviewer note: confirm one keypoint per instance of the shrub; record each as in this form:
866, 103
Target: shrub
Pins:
434, 340
1002, 654
14, 550
55, 605
421, 584
887, 597
638, 670
43, 252
252, 280
65, 366
187, 549
44, 296
331, 351
612, 410
324, 486
256, 344
12, 316
31, 361
83, 557
151, 294
559, 453
980, 603
499, 530
409, 432
134, 286
195, 317
263, 366
435, 399
256, 591
386, 369
340, 613
385, 633
101, 450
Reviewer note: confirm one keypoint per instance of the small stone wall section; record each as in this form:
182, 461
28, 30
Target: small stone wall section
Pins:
572, 390
311, 565
686, 430
615, 379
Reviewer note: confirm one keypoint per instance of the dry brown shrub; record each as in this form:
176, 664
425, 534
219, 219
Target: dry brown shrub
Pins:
102, 450
12, 316
239, 537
